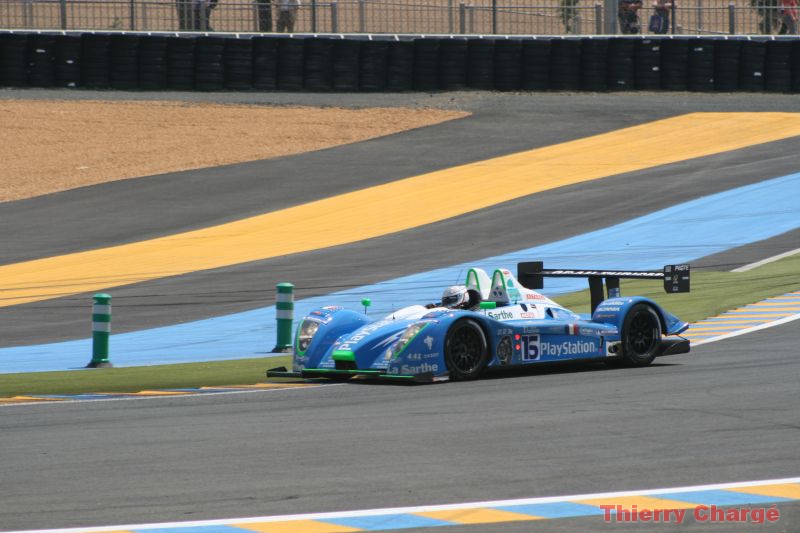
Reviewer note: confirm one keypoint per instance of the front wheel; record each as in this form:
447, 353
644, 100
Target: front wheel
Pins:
641, 335
465, 350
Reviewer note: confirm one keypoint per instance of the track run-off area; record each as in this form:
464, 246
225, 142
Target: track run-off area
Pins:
704, 181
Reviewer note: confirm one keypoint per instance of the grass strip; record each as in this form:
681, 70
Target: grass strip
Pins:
135, 379
712, 293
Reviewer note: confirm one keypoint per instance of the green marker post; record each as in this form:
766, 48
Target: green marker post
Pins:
101, 331
284, 313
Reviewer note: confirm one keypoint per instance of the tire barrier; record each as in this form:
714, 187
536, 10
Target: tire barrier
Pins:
594, 71
373, 66
180, 63
124, 66
190, 62
453, 56
67, 61
153, 63
647, 64
508, 65
41, 60
700, 75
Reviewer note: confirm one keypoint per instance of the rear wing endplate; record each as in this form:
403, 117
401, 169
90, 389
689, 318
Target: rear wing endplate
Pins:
531, 274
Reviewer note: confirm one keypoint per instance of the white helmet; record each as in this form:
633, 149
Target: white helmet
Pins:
455, 297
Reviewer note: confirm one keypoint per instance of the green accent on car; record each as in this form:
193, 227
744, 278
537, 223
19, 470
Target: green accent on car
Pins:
488, 305
340, 372
344, 355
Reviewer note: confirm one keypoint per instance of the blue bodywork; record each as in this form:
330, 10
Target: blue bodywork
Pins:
348, 343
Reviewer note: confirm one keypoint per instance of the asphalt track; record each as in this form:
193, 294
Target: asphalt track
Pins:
135, 209
728, 412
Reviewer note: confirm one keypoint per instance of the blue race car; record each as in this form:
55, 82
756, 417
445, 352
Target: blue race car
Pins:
502, 322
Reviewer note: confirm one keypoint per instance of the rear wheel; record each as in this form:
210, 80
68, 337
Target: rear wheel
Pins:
641, 335
465, 350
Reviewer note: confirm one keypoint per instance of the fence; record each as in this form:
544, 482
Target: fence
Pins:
546, 17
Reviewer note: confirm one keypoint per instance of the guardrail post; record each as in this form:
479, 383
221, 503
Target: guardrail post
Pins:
334, 16
362, 16
450, 23
598, 19
101, 331
284, 313
494, 17
132, 5
63, 13
462, 18
732, 18
313, 16
471, 17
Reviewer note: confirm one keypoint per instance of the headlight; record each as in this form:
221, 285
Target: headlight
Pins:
407, 336
305, 333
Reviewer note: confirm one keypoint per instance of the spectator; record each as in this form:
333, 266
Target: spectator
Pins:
264, 15
659, 22
287, 15
568, 14
628, 15
788, 17
202, 14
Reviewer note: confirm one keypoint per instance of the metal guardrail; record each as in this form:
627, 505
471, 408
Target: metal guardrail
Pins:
509, 17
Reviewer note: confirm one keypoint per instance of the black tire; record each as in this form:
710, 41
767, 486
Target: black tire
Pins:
641, 335
465, 350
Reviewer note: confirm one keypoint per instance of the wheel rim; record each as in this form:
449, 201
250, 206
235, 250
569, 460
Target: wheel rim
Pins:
643, 334
466, 349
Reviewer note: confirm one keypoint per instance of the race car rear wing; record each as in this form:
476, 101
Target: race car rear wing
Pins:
531, 274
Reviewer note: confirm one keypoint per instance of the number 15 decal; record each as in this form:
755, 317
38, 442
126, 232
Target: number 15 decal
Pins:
530, 347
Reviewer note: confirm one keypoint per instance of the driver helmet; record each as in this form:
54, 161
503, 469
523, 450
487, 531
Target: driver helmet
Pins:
455, 297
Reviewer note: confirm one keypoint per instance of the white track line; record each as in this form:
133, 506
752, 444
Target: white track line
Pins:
757, 264
420, 509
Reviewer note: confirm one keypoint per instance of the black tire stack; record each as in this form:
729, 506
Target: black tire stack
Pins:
153, 63
124, 68
291, 56
778, 67
68, 61
508, 65
265, 63
536, 64
795, 62
565, 57
453, 54
426, 64
209, 67
400, 66
373, 67
95, 60
621, 58
647, 64
41, 60
13, 60
480, 64
674, 64
701, 65
238, 61
726, 65
180, 63
345, 56
751, 66
594, 65
317, 72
